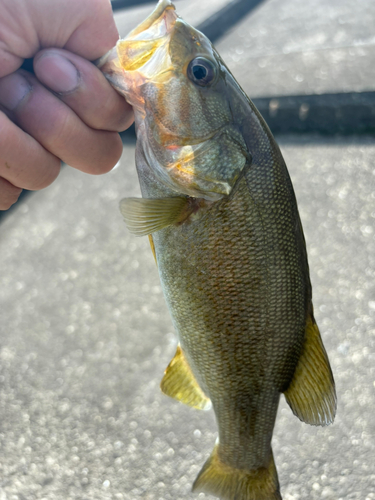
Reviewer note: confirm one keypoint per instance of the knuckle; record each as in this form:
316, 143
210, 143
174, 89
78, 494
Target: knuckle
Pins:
98, 154
9, 194
110, 155
5, 129
119, 118
46, 176
24, 162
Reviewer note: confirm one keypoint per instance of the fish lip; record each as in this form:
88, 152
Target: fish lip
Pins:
157, 16
142, 53
157, 26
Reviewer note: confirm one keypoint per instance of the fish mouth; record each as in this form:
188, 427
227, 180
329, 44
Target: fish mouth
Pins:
160, 21
142, 52
141, 45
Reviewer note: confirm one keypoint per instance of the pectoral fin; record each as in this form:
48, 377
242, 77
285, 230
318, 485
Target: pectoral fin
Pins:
144, 216
179, 383
311, 394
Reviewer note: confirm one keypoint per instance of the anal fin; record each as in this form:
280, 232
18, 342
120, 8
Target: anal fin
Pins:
311, 393
179, 383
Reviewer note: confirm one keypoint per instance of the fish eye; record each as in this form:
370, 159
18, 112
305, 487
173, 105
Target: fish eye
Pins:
201, 71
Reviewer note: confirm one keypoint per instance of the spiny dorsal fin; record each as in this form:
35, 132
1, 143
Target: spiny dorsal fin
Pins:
311, 393
144, 216
228, 483
179, 383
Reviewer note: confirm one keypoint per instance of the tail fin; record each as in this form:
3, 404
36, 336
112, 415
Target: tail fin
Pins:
228, 483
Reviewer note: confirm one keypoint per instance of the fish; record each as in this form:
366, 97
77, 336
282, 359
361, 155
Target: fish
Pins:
219, 209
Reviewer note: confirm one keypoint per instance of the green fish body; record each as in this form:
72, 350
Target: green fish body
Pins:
230, 250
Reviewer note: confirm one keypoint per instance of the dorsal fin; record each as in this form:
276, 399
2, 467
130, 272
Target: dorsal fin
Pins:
311, 393
179, 383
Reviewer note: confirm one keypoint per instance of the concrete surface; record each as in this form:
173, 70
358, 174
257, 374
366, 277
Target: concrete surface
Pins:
311, 47
193, 11
85, 337
290, 47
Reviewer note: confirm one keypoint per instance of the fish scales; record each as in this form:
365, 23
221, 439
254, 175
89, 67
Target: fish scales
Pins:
220, 211
239, 313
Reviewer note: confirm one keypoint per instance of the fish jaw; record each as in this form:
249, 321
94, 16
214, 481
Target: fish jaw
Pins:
141, 54
187, 131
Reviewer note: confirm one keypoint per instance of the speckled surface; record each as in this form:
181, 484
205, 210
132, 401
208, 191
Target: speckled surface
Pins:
310, 47
290, 47
85, 337
85, 334
193, 11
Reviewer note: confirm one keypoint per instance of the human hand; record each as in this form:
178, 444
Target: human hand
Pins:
67, 110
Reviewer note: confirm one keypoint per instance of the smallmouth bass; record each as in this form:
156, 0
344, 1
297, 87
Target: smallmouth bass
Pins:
220, 211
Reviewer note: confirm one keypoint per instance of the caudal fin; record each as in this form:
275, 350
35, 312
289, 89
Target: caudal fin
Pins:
228, 483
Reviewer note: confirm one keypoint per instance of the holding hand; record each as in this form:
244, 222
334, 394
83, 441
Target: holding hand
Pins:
67, 110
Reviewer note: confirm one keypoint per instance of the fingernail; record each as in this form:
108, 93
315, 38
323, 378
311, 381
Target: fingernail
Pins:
13, 89
57, 73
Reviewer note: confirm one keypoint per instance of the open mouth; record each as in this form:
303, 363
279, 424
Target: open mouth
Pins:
137, 49
143, 50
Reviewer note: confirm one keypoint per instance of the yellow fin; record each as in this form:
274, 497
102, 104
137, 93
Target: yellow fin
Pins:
228, 483
144, 216
311, 393
179, 383
152, 245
